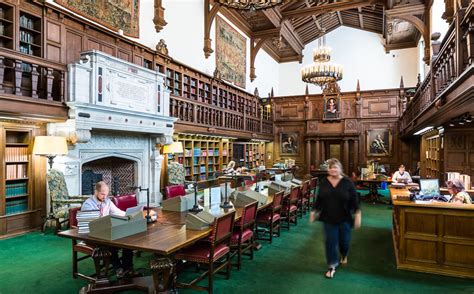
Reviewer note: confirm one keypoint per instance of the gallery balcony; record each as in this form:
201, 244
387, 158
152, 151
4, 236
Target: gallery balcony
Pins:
31, 86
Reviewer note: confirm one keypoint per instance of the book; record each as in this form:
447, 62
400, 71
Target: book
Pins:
199, 222
84, 218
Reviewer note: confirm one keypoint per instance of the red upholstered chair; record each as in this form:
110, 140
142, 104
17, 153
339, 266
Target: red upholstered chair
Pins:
303, 199
313, 183
269, 219
175, 191
290, 208
213, 252
242, 239
125, 201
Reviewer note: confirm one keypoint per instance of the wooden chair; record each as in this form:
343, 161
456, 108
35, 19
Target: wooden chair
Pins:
242, 239
290, 208
269, 219
213, 251
313, 183
303, 199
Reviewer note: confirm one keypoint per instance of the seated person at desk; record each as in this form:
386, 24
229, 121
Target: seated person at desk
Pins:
100, 201
458, 194
401, 176
230, 168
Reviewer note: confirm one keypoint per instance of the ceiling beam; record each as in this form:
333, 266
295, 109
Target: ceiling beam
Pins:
330, 7
339, 17
315, 19
265, 33
361, 17
406, 10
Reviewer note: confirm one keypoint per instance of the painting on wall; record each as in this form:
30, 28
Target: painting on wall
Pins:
231, 48
332, 107
289, 143
379, 142
113, 14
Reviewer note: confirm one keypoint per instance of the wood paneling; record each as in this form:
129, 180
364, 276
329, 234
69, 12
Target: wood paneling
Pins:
74, 48
53, 32
421, 224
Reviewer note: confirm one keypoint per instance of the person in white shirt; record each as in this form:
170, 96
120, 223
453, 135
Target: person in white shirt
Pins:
401, 176
101, 201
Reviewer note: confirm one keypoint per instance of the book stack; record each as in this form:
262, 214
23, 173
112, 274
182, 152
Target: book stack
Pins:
466, 181
16, 189
16, 171
84, 218
16, 206
14, 154
199, 222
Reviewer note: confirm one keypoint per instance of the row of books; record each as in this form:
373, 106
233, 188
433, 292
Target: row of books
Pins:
16, 206
198, 169
16, 154
84, 218
16, 171
12, 190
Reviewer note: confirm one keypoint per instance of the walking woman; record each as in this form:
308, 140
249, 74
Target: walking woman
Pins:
336, 205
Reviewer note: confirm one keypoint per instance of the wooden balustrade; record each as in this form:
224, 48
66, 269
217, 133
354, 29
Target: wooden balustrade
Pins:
454, 58
199, 113
31, 77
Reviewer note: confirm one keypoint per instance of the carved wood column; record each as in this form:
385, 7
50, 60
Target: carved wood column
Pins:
209, 15
308, 155
2, 73
49, 83
346, 155
318, 153
34, 81
323, 151
356, 153
18, 74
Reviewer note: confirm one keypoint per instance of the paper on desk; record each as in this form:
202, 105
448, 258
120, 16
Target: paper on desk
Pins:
215, 195
207, 197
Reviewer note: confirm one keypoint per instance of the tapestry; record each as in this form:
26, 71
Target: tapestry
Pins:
231, 48
113, 14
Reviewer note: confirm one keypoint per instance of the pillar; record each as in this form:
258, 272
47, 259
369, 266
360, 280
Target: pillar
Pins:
346, 155
318, 154
308, 155
356, 153
323, 151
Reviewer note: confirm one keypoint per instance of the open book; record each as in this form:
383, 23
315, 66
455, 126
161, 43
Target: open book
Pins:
200, 221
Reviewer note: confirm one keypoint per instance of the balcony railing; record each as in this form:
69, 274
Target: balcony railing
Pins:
28, 76
453, 59
201, 114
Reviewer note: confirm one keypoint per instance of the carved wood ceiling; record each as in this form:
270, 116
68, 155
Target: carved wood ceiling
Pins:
289, 27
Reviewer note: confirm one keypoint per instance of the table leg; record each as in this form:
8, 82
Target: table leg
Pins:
163, 271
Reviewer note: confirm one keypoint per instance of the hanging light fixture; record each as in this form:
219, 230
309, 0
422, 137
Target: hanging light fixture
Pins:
250, 4
322, 71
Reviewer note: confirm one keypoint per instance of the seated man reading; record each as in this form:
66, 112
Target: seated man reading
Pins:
401, 176
100, 201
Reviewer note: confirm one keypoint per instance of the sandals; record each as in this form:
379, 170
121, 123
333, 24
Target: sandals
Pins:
343, 260
330, 273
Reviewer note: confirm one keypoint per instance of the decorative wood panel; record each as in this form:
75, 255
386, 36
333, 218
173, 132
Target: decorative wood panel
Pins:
421, 224
74, 48
459, 150
53, 53
421, 251
53, 32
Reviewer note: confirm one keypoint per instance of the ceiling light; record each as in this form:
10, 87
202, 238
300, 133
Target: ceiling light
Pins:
423, 130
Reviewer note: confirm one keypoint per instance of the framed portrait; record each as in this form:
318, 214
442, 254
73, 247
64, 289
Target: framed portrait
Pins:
289, 143
379, 142
332, 107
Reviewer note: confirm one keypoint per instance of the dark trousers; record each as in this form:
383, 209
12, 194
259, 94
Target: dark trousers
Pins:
337, 237
126, 262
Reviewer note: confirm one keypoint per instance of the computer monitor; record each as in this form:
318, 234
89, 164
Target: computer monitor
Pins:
429, 187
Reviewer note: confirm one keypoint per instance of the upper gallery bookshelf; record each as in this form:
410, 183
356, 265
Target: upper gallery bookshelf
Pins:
6, 26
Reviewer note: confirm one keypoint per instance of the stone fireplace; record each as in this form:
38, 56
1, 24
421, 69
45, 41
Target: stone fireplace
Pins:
119, 114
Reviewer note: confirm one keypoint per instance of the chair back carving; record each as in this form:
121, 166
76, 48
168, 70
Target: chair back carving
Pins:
174, 191
313, 183
249, 214
222, 229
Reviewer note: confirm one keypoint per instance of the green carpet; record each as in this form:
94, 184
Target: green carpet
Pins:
294, 263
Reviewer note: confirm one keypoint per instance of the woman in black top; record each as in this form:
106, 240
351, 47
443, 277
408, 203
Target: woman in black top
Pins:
336, 203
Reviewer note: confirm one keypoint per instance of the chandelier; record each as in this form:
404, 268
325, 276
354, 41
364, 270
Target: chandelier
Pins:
250, 4
322, 71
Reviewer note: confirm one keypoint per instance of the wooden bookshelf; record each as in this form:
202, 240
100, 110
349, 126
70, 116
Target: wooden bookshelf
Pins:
203, 155
432, 155
16, 193
30, 34
249, 154
173, 82
6, 26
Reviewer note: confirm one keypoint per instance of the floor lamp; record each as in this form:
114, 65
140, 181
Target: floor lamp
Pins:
50, 147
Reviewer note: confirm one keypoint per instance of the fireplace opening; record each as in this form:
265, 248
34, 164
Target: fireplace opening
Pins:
119, 173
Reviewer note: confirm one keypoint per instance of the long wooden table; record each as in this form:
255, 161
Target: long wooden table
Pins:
163, 238
433, 237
